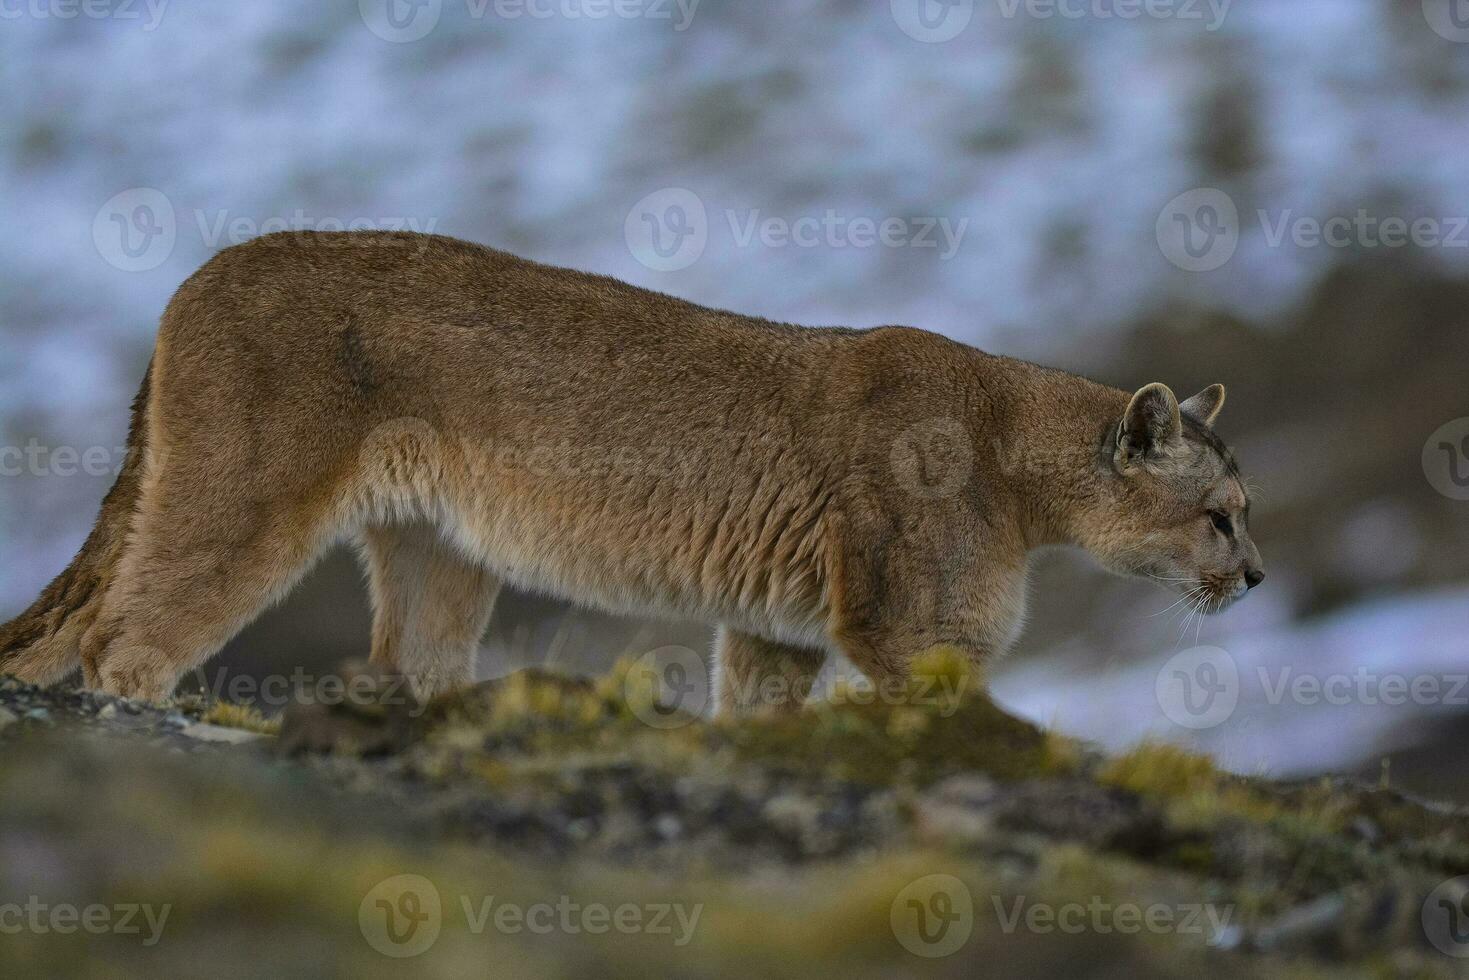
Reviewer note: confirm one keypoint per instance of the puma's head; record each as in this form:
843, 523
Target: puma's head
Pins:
1173, 506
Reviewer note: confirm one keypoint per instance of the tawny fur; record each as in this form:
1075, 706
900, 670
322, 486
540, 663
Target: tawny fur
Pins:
471, 418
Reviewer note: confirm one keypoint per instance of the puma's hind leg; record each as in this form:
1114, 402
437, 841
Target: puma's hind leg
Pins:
430, 606
204, 558
756, 675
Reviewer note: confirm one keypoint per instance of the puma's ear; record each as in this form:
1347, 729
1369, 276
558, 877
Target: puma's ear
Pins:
1205, 405
1150, 422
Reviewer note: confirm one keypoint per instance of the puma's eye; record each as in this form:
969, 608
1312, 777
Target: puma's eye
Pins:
1222, 523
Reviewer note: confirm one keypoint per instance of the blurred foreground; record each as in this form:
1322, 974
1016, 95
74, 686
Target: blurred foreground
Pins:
543, 826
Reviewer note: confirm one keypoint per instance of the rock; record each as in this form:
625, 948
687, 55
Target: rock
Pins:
1302, 924
1364, 829
203, 732
1077, 810
108, 712
669, 827
7, 718
378, 717
958, 810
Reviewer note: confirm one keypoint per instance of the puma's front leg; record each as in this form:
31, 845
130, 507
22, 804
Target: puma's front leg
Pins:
899, 598
754, 675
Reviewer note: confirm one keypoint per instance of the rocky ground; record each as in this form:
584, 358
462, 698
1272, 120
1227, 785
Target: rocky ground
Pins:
540, 825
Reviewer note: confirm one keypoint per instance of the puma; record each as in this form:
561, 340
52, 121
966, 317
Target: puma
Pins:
470, 418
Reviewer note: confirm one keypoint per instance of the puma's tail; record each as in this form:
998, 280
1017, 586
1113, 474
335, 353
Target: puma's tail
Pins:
43, 644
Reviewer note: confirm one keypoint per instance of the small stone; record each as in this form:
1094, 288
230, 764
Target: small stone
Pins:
7, 718
973, 791
218, 733
38, 714
669, 827
108, 713
1365, 829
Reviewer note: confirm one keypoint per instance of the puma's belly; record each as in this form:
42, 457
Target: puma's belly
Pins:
636, 545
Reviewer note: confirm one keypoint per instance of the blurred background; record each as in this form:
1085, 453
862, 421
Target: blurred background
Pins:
1269, 195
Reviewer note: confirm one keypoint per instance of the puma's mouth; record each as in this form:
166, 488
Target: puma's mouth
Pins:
1207, 594
1203, 593
1217, 594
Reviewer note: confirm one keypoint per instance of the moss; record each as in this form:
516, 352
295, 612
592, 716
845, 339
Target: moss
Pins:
1160, 769
239, 846
923, 734
1191, 855
1198, 795
243, 716
1063, 755
936, 723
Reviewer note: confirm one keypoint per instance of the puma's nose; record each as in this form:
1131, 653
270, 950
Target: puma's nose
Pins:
1253, 577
